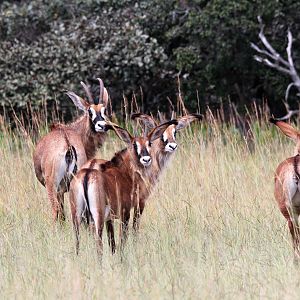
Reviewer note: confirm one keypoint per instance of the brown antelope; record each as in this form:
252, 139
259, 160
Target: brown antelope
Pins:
166, 145
162, 151
66, 148
287, 185
116, 187
287, 176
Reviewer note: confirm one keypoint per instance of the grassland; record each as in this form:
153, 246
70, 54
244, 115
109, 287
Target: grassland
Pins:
211, 229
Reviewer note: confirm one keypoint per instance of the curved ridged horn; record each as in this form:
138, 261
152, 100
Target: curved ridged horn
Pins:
161, 117
101, 91
148, 122
87, 91
146, 119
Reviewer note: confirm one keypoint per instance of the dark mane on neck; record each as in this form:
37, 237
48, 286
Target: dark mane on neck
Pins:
54, 126
77, 124
116, 161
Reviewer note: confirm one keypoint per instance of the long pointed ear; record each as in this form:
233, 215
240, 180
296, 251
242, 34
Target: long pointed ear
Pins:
78, 101
186, 120
158, 131
287, 129
122, 133
147, 120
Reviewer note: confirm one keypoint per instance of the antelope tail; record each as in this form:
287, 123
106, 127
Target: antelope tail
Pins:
71, 160
85, 191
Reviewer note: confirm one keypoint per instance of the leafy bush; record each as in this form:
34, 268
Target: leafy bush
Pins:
50, 46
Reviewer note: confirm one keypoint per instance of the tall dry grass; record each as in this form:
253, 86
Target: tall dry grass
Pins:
211, 229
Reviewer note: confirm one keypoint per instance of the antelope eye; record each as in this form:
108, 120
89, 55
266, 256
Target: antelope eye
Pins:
150, 144
163, 140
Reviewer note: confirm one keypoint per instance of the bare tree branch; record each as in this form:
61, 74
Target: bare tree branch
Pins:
289, 114
288, 90
271, 58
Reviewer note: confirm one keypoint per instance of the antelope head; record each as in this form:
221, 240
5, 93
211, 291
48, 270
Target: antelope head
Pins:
96, 108
168, 138
140, 148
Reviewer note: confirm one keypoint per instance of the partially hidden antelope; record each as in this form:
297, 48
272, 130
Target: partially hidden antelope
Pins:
166, 146
116, 186
162, 149
287, 185
60, 153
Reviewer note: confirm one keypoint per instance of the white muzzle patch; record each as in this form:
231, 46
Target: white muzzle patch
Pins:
170, 147
145, 160
100, 126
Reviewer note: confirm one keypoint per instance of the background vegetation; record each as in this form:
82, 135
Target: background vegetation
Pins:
142, 47
206, 233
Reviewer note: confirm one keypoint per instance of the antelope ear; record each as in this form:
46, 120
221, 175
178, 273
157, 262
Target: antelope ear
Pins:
186, 120
147, 120
78, 101
287, 129
158, 131
122, 133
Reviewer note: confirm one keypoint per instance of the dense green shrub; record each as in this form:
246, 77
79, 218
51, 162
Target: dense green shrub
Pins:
49, 46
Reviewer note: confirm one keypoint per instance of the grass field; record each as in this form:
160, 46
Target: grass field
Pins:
211, 229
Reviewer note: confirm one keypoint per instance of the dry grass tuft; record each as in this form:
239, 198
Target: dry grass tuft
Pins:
211, 229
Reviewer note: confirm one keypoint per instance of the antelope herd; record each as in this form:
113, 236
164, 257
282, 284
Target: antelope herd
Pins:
103, 190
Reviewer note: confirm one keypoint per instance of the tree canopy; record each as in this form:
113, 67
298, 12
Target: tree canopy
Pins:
143, 47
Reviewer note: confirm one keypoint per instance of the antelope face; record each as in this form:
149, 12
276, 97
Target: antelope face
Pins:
169, 139
97, 113
141, 148
96, 108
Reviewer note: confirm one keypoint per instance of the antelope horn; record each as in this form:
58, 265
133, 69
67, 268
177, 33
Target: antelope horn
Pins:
101, 90
288, 115
162, 119
87, 91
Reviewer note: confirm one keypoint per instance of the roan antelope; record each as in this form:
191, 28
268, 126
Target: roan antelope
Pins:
162, 151
116, 187
287, 185
60, 153
165, 147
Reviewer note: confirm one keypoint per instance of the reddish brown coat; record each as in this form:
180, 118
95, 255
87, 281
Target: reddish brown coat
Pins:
67, 147
287, 192
124, 181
